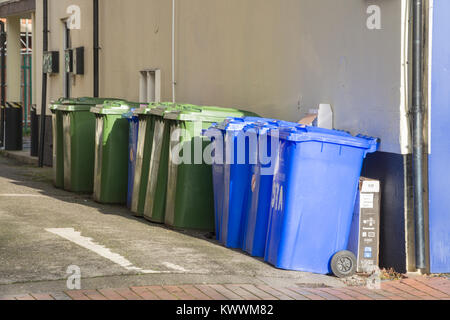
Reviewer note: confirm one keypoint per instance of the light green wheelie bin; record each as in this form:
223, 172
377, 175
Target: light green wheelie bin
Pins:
155, 196
162, 200
143, 155
111, 151
190, 196
73, 143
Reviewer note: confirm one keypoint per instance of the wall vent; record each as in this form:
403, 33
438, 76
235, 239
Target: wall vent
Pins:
150, 85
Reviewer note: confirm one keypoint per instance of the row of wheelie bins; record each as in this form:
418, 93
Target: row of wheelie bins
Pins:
286, 193
120, 152
277, 190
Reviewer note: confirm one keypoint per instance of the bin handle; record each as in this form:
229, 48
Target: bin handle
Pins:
374, 144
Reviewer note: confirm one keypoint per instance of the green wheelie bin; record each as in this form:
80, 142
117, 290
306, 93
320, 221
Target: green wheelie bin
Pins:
111, 151
143, 155
73, 143
190, 197
58, 152
155, 196
79, 143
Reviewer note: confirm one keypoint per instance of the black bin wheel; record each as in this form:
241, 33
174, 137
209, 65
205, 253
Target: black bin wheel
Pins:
343, 264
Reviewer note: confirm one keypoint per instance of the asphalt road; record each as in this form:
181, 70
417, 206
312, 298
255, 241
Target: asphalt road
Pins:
44, 231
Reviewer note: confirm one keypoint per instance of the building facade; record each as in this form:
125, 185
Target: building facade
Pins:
280, 59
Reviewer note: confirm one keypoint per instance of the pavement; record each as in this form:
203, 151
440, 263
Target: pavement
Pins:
22, 156
417, 288
48, 235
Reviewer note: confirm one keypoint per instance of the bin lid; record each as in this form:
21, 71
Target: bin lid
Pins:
77, 104
264, 126
146, 109
305, 134
223, 112
238, 124
195, 113
160, 110
115, 107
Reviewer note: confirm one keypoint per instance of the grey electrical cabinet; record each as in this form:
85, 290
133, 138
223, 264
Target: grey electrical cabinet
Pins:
50, 63
74, 61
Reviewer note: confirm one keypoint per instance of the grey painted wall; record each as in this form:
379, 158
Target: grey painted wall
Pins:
279, 58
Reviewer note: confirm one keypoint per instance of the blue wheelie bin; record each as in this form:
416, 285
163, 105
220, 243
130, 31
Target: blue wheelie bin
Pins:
218, 161
313, 197
232, 179
256, 217
132, 151
234, 196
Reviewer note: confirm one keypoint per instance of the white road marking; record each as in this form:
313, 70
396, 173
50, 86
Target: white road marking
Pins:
87, 243
174, 267
6, 195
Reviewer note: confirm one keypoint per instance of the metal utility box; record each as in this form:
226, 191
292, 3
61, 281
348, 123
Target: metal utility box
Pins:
74, 61
50, 63
78, 61
364, 239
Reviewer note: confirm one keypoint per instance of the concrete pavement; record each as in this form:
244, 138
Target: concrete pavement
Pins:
112, 248
418, 288
45, 231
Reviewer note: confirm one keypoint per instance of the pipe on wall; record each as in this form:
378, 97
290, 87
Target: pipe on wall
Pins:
96, 50
44, 88
418, 135
174, 83
3, 81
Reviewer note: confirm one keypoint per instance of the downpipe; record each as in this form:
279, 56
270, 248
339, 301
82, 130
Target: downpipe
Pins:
96, 50
44, 89
417, 135
174, 82
3, 81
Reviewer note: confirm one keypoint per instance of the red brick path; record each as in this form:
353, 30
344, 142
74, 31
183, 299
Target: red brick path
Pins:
420, 288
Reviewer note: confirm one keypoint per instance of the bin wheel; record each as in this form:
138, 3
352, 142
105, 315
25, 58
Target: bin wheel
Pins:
344, 264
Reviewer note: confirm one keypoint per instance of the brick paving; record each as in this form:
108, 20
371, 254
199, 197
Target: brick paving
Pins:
417, 288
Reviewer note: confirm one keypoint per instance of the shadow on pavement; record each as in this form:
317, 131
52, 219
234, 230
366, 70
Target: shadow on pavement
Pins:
40, 181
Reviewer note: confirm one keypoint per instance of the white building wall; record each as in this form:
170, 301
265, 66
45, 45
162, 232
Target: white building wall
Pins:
279, 58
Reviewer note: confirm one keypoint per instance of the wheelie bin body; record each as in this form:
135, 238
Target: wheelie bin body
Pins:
231, 179
218, 164
73, 143
190, 198
111, 152
256, 216
132, 151
163, 179
79, 143
13, 126
190, 195
155, 198
146, 125
313, 197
